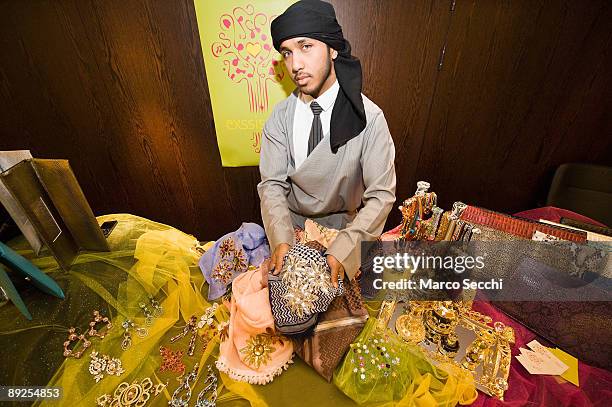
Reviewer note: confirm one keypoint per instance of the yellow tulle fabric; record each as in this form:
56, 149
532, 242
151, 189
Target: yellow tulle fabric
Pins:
147, 259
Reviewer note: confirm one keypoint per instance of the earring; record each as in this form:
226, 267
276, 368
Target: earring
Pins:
171, 361
211, 379
158, 310
98, 366
97, 319
127, 337
206, 322
148, 315
190, 327
183, 400
192, 342
73, 337
208, 318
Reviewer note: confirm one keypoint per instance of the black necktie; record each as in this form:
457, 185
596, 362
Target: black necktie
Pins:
316, 130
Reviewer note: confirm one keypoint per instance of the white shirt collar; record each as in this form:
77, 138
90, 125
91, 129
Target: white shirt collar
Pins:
327, 99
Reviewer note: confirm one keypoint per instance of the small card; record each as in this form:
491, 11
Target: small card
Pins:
531, 368
552, 363
533, 357
540, 360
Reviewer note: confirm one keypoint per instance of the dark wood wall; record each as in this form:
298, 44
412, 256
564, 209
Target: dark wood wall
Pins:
484, 99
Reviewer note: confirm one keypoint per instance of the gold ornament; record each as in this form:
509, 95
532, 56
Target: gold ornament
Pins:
74, 337
98, 366
135, 394
257, 350
98, 318
410, 326
487, 356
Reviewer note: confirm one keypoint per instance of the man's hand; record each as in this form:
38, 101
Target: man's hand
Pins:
337, 270
276, 261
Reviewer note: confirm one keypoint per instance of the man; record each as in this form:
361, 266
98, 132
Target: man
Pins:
326, 149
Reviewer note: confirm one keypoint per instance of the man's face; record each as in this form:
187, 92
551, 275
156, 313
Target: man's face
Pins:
309, 62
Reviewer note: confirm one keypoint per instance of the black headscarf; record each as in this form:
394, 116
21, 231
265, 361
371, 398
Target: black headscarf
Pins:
317, 19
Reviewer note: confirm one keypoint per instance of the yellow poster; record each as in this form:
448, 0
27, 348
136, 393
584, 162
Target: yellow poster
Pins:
246, 76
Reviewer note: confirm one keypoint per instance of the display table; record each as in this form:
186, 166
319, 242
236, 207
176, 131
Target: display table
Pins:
152, 259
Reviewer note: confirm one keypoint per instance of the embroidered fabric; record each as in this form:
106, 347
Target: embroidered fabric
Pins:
252, 352
231, 255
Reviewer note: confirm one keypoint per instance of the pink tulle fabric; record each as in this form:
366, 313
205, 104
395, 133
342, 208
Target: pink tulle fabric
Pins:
525, 389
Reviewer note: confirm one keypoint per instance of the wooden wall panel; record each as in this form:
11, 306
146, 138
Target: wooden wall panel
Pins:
119, 88
516, 98
399, 44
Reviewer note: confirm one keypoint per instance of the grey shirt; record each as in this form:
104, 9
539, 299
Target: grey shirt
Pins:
352, 190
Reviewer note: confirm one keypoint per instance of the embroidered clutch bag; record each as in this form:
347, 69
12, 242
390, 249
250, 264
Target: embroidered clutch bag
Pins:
302, 290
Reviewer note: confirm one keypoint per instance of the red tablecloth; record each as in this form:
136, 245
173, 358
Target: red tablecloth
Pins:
555, 214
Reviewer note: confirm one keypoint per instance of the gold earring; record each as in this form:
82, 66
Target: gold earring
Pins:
73, 337
147, 313
158, 310
97, 319
99, 366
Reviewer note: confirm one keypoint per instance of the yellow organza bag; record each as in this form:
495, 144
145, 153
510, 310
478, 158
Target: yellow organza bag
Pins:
382, 370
